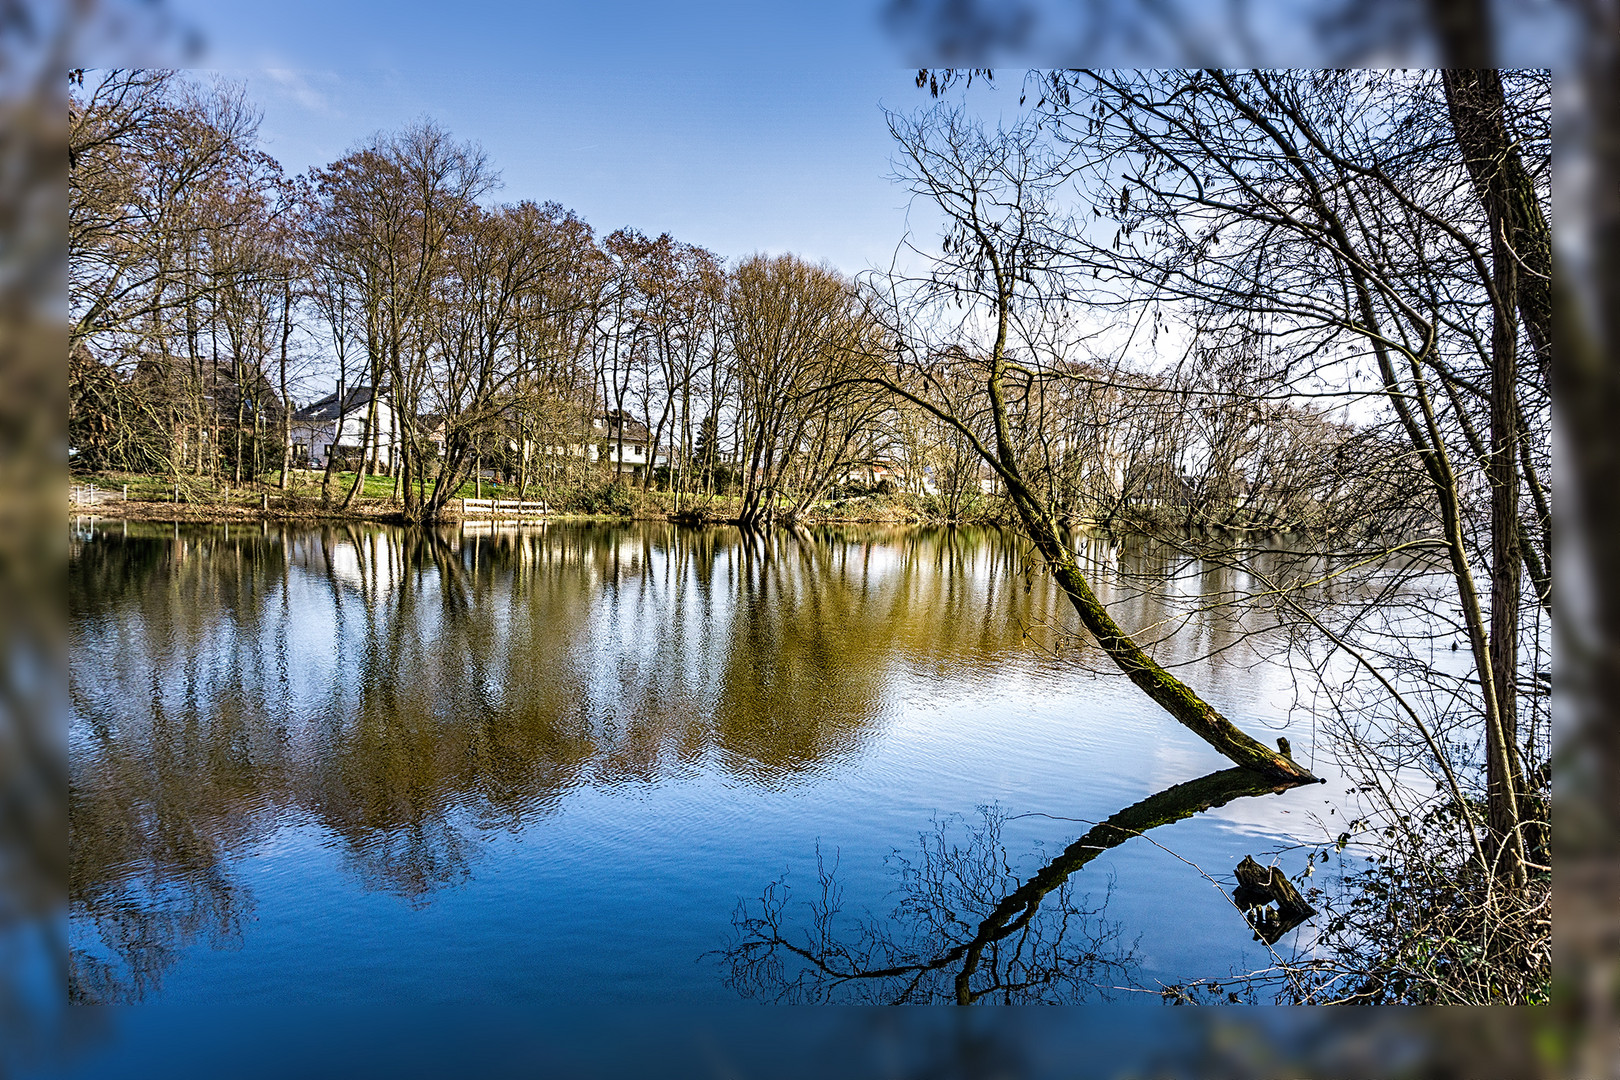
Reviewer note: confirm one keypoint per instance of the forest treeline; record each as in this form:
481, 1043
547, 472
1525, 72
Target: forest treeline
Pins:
211, 294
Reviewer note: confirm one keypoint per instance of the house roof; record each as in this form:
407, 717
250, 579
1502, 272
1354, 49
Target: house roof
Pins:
634, 430
328, 408
215, 383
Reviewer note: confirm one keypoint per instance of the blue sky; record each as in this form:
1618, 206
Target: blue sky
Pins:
739, 126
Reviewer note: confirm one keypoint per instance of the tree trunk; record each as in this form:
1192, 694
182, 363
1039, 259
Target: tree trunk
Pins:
1477, 107
367, 433
286, 406
1478, 110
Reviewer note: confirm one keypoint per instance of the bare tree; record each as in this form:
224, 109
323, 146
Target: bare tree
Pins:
1326, 239
553, 395
800, 340
159, 171
1332, 213
500, 289
1003, 260
387, 212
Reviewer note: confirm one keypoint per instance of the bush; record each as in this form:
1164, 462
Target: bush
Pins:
612, 497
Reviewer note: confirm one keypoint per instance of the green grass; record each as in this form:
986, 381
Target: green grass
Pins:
382, 487
153, 487
306, 485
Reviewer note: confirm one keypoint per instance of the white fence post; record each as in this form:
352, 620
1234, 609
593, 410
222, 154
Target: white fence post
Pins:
498, 507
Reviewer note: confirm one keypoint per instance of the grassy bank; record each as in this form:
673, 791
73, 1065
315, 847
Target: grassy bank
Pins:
159, 497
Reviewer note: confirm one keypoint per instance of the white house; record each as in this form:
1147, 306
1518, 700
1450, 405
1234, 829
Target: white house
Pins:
331, 422
604, 444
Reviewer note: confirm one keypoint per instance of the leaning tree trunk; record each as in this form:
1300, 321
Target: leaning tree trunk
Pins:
1169, 692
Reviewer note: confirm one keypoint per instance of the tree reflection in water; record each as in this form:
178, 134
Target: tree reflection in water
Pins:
405, 695
965, 930
381, 684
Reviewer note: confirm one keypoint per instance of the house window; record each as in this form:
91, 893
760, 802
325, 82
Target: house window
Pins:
636, 449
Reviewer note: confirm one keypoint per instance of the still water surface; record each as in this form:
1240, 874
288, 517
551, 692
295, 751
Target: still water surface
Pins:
546, 764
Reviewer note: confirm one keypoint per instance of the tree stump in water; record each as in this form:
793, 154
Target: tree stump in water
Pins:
1259, 887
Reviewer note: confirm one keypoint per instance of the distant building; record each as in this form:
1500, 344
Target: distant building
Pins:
435, 430
601, 443
333, 425
211, 409
604, 438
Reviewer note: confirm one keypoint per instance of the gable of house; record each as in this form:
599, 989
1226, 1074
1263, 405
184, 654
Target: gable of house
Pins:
354, 401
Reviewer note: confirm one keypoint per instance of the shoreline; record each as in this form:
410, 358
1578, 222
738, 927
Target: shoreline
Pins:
268, 505
202, 513
389, 514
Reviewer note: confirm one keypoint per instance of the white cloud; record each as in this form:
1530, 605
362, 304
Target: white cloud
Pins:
295, 85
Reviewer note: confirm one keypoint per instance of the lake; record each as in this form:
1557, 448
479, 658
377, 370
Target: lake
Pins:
570, 762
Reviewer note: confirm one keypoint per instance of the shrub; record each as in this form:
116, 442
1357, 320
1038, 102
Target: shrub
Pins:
612, 497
